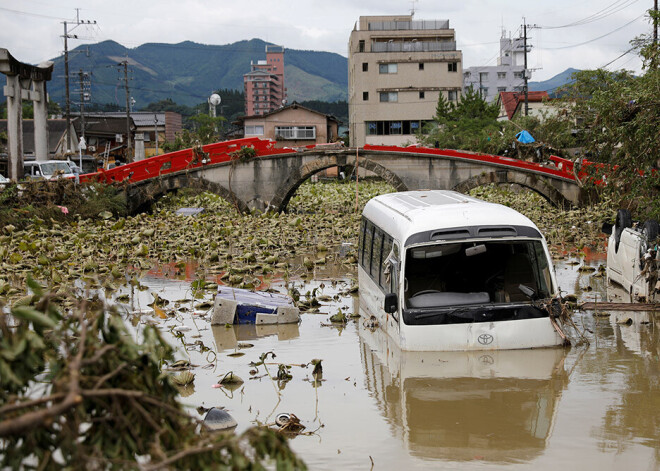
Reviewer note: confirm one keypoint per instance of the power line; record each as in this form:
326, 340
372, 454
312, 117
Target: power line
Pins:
604, 13
595, 39
617, 58
26, 13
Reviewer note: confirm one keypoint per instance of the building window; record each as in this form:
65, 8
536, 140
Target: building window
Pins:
484, 92
501, 75
389, 96
388, 68
421, 66
518, 75
365, 96
501, 89
254, 130
466, 75
361, 45
421, 95
365, 67
386, 128
452, 95
452, 67
295, 132
483, 76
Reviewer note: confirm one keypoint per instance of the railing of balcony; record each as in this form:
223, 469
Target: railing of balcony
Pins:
408, 25
413, 46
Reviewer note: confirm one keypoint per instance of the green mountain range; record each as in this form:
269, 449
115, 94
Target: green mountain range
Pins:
188, 72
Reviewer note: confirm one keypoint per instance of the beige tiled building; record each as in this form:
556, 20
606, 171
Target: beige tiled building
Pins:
397, 67
291, 126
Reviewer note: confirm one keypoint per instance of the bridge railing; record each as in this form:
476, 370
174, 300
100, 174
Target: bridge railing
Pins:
180, 160
560, 168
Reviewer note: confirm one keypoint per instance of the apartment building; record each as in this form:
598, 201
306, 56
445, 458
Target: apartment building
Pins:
506, 76
264, 84
397, 68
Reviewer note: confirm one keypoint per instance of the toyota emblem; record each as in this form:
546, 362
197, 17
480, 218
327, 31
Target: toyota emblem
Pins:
485, 339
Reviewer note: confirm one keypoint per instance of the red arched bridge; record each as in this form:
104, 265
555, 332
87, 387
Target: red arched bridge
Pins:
252, 174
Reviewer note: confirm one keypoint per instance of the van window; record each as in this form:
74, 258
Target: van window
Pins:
368, 237
375, 255
384, 279
363, 224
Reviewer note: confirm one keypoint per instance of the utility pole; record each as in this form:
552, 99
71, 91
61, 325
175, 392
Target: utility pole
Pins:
129, 158
655, 22
67, 36
84, 96
525, 67
156, 131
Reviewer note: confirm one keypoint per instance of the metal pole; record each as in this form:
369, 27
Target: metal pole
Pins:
655, 22
66, 87
82, 104
156, 130
525, 67
128, 114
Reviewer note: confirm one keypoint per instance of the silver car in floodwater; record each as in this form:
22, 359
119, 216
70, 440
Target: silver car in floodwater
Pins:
48, 169
633, 257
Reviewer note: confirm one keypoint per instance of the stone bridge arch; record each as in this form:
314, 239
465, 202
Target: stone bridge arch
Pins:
144, 194
298, 175
530, 181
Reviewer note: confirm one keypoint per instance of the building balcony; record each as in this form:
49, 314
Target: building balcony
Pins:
413, 46
408, 25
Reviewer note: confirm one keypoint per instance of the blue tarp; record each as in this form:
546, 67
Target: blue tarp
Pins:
524, 137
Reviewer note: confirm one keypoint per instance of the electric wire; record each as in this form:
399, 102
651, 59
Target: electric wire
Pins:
595, 39
604, 13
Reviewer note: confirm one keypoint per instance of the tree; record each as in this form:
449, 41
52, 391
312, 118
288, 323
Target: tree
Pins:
205, 131
469, 125
108, 405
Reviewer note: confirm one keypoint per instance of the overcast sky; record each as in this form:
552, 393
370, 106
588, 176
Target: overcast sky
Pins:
581, 34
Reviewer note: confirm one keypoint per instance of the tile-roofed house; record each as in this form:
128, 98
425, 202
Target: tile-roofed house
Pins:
292, 126
514, 102
144, 126
56, 128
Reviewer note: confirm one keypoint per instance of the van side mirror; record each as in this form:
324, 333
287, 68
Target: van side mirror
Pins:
606, 228
391, 302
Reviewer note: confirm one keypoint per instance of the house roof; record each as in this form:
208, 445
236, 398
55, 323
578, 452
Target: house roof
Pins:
292, 106
140, 118
511, 100
56, 128
103, 124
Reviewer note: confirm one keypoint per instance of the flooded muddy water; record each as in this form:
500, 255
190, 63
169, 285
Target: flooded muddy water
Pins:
587, 407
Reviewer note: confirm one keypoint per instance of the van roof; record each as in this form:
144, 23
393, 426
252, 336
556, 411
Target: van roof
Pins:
410, 212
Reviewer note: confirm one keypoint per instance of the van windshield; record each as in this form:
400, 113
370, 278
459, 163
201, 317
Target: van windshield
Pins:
475, 281
50, 168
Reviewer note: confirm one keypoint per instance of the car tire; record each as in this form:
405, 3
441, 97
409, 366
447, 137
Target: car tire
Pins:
623, 220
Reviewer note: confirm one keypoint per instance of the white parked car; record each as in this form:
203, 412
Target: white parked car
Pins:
633, 258
48, 169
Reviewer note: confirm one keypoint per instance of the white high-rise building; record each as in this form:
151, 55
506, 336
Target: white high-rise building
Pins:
506, 76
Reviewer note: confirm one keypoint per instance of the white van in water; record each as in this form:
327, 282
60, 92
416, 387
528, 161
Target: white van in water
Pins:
443, 271
633, 257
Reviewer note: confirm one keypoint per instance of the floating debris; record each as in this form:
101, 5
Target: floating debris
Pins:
219, 419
